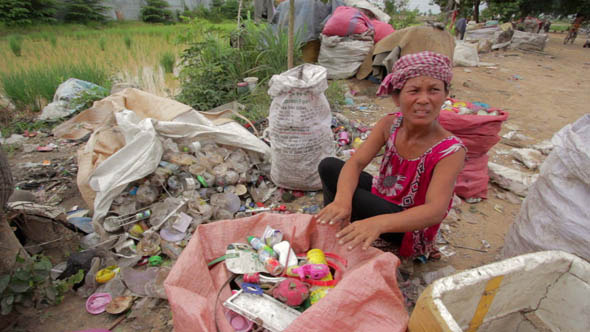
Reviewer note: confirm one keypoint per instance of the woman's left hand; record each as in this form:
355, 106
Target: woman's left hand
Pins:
362, 232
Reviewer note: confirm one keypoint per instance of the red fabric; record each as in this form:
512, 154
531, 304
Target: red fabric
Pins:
367, 298
410, 186
424, 63
382, 30
480, 134
347, 21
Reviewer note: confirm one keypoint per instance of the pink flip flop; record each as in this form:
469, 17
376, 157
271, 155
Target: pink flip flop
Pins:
97, 303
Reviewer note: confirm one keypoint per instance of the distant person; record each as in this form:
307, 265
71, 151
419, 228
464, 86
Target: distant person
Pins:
460, 27
547, 26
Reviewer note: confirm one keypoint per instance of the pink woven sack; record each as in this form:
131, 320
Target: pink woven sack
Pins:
366, 299
479, 133
346, 21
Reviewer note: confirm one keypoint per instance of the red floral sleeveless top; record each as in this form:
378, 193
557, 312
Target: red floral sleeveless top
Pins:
405, 182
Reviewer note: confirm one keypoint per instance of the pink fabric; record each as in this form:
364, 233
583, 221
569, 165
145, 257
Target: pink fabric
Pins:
382, 30
405, 183
479, 133
366, 299
424, 63
346, 21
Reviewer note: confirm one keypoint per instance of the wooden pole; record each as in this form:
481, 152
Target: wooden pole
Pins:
239, 17
291, 33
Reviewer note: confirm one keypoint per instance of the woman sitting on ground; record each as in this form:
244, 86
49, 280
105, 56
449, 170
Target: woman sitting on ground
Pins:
413, 192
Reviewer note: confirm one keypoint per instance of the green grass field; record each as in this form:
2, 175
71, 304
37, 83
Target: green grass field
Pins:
35, 60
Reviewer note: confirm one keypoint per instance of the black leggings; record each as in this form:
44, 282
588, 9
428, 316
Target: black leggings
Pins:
364, 203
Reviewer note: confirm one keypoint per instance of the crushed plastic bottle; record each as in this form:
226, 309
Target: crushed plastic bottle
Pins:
147, 194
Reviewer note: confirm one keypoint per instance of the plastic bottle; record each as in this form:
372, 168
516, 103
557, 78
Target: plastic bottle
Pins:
146, 194
258, 245
316, 256
271, 264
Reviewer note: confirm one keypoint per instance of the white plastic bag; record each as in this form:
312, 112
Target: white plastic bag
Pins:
67, 91
556, 213
465, 54
342, 56
299, 127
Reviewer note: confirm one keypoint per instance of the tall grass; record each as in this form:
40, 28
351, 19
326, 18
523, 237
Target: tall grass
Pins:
30, 88
167, 61
102, 43
16, 43
127, 40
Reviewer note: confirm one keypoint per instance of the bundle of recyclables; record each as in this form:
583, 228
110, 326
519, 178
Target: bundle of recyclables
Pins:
273, 284
282, 273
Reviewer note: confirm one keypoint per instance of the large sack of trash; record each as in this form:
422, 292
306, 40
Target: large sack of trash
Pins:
478, 126
366, 297
342, 56
132, 132
465, 55
299, 127
528, 41
555, 213
379, 61
347, 21
382, 30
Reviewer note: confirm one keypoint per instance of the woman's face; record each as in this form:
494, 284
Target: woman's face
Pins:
420, 99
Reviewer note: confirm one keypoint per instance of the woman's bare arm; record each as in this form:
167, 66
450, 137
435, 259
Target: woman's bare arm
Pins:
438, 196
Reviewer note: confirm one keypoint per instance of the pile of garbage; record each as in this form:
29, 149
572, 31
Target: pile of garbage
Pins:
348, 134
273, 285
465, 107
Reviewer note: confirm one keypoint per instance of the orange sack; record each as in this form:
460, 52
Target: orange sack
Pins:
367, 298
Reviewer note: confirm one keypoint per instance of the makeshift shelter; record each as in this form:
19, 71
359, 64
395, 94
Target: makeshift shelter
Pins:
380, 60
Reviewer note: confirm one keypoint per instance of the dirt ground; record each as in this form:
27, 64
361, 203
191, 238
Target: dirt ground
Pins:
542, 92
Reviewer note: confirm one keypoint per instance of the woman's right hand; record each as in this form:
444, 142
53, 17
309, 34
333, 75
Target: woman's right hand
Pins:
334, 212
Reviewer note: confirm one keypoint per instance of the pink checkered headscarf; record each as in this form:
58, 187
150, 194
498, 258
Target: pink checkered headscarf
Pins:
424, 63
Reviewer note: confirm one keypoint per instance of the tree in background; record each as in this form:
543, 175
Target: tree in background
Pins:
401, 16
24, 12
508, 9
155, 12
84, 11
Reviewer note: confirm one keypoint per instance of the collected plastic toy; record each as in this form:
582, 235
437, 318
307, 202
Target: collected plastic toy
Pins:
291, 292
312, 271
317, 256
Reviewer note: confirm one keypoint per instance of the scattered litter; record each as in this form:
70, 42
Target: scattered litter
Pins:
508, 196
545, 147
430, 277
515, 135
446, 251
531, 158
13, 139
47, 148
499, 208
511, 179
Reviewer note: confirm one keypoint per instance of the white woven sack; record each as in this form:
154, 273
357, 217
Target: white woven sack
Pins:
299, 127
556, 213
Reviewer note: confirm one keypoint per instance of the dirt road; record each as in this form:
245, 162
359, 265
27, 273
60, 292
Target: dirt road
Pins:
541, 91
